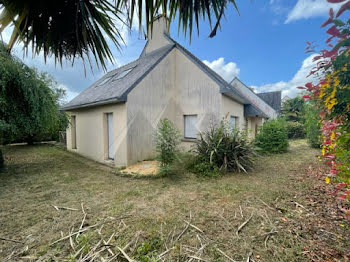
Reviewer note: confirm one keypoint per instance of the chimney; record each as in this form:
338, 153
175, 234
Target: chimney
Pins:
156, 38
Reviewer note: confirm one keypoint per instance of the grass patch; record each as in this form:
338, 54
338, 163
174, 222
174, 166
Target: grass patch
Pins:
37, 177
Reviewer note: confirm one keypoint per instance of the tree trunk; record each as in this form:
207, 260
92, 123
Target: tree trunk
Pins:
30, 140
1, 159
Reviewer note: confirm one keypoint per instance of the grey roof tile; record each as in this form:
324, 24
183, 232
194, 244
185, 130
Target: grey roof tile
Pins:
116, 90
272, 98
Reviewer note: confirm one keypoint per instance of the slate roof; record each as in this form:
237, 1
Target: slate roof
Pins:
253, 111
116, 91
272, 98
256, 106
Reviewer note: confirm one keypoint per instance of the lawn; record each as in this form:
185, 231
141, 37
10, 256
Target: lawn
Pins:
283, 209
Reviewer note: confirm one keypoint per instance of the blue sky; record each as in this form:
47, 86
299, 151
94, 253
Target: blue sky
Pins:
264, 46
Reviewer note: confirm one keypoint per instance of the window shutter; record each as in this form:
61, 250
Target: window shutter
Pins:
191, 126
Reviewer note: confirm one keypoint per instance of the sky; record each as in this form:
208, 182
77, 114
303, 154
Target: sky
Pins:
264, 46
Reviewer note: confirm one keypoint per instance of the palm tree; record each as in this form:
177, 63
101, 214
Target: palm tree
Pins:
293, 109
76, 28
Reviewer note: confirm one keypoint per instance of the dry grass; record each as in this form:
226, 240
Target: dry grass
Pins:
143, 168
287, 223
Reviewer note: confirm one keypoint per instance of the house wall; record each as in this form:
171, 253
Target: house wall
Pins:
151, 100
91, 133
232, 108
196, 93
253, 122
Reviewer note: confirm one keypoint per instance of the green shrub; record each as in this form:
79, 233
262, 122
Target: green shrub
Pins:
204, 169
167, 138
312, 126
149, 249
222, 149
272, 137
295, 130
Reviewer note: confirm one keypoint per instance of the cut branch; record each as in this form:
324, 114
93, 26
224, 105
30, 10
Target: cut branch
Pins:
244, 224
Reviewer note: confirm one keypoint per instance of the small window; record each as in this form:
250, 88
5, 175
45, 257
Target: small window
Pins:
233, 122
122, 74
74, 132
191, 126
104, 81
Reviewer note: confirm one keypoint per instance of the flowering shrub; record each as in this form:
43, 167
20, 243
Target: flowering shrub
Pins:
332, 96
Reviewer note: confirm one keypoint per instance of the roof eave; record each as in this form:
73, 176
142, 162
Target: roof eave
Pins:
94, 104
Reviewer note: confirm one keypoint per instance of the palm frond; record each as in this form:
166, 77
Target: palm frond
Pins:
64, 29
188, 12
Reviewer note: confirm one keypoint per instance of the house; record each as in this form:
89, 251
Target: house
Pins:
114, 120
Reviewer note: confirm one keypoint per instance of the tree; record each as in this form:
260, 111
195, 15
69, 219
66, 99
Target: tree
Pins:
293, 109
29, 108
80, 28
331, 95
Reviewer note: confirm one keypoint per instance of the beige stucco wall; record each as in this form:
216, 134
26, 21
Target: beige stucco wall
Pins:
151, 100
91, 133
233, 108
253, 123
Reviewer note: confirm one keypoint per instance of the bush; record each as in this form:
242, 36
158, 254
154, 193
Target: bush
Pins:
219, 148
204, 169
312, 126
272, 137
295, 130
167, 138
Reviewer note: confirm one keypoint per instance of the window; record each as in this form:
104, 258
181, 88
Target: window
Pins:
191, 126
233, 122
105, 81
74, 132
122, 74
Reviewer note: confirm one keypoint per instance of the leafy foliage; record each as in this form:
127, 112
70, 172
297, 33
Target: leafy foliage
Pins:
293, 109
312, 125
272, 137
79, 28
331, 95
70, 29
167, 138
224, 149
28, 102
184, 11
295, 130
149, 249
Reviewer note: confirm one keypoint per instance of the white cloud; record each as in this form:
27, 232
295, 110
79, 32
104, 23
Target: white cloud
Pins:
309, 8
226, 71
70, 94
290, 87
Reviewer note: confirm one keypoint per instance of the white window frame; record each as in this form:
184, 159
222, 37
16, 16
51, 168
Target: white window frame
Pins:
233, 127
190, 134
